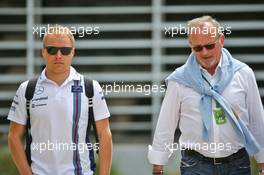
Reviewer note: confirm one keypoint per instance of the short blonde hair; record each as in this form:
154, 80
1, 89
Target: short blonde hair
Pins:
200, 22
60, 30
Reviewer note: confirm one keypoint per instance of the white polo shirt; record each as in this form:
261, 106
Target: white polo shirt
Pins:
59, 117
181, 107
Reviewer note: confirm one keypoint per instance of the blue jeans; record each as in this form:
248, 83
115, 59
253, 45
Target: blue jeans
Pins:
191, 165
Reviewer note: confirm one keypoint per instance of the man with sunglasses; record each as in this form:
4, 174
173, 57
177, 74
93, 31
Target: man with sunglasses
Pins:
59, 116
215, 101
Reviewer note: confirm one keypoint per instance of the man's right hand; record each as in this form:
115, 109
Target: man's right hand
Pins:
157, 169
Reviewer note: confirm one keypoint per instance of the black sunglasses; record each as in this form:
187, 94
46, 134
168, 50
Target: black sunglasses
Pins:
52, 50
207, 46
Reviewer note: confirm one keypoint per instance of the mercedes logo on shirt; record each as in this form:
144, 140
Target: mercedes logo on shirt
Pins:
39, 90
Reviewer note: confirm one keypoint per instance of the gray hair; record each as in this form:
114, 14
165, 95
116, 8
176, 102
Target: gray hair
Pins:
198, 23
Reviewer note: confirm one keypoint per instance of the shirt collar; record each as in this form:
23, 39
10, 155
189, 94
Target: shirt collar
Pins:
73, 76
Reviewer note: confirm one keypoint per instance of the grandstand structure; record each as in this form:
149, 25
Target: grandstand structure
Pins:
126, 43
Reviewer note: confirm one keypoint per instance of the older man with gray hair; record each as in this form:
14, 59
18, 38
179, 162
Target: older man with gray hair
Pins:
215, 101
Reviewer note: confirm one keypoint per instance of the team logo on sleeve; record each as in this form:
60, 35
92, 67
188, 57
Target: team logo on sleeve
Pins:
102, 95
75, 89
15, 103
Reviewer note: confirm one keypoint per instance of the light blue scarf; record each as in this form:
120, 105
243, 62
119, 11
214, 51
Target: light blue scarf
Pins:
190, 75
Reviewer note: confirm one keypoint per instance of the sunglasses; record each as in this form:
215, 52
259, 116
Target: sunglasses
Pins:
199, 48
52, 50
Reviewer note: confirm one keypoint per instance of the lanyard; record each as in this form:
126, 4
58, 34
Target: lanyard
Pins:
217, 104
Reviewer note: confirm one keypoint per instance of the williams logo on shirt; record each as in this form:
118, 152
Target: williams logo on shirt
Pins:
75, 89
